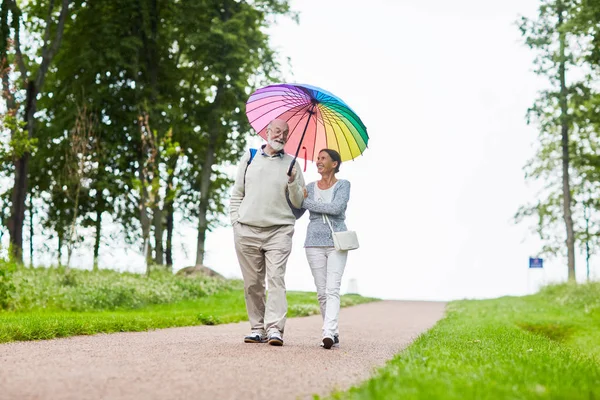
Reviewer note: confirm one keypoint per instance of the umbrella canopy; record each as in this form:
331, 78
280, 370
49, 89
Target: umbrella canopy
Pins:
317, 119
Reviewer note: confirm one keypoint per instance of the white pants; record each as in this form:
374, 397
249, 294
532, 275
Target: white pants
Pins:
327, 266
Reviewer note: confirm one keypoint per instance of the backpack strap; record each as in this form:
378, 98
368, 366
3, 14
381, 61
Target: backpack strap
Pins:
252, 154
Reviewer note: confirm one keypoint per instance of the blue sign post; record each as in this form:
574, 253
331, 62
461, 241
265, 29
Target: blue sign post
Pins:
536, 262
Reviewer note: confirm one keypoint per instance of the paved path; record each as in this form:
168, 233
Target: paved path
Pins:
212, 362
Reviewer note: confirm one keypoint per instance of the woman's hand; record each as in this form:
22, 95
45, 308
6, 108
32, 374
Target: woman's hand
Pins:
305, 192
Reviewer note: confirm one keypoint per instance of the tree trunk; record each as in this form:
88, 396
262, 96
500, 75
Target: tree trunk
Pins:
60, 246
49, 50
152, 64
73, 228
204, 199
98, 226
17, 218
146, 159
31, 230
19, 192
169, 248
586, 216
169, 211
206, 174
564, 125
144, 219
11, 108
157, 217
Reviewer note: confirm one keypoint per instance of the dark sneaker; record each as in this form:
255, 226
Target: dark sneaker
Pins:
255, 337
275, 339
336, 339
328, 342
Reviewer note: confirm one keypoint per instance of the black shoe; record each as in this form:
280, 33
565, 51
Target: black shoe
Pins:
336, 339
328, 342
255, 337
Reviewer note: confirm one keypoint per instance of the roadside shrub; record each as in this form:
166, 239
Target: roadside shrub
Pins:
82, 290
7, 288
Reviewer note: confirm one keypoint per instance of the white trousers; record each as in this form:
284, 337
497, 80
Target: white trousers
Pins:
327, 267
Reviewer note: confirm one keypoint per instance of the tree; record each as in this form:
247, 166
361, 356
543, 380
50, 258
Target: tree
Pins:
33, 83
548, 35
123, 79
228, 55
166, 88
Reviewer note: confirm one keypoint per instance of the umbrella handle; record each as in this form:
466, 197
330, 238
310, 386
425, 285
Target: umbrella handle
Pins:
289, 173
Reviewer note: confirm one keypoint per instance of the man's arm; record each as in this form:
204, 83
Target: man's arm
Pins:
238, 192
296, 188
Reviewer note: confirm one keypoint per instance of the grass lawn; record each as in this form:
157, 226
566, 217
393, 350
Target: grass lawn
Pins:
222, 307
544, 346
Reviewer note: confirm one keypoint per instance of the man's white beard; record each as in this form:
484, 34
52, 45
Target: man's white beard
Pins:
276, 145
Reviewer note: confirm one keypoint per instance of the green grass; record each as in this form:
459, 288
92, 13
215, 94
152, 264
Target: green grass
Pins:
24, 289
223, 307
46, 303
545, 346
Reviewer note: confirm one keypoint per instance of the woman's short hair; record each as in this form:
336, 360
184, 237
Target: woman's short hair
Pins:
335, 156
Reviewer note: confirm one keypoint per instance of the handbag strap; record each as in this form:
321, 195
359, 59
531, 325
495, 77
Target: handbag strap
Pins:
328, 223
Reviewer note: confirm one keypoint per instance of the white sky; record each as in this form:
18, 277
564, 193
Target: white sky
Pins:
443, 88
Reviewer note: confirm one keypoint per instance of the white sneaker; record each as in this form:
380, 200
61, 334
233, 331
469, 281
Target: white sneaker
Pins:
275, 339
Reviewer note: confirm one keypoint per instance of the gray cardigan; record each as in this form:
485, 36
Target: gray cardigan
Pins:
318, 233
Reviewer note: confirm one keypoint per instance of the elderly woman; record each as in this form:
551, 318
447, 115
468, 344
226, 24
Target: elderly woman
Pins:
325, 199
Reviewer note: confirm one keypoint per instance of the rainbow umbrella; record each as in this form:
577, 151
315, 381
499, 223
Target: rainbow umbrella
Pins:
317, 120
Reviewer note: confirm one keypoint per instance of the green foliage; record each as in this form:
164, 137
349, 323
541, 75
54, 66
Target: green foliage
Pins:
19, 143
80, 290
301, 306
209, 302
304, 310
208, 319
583, 298
7, 287
545, 346
585, 23
189, 65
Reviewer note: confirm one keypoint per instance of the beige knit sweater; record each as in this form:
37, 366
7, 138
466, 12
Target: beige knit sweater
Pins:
261, 200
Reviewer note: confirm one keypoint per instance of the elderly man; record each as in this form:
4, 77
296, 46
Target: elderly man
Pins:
263, 226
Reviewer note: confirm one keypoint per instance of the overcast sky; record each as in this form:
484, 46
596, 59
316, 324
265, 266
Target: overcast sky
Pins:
443, 88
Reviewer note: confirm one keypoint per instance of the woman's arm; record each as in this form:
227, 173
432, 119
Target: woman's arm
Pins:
337, 205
